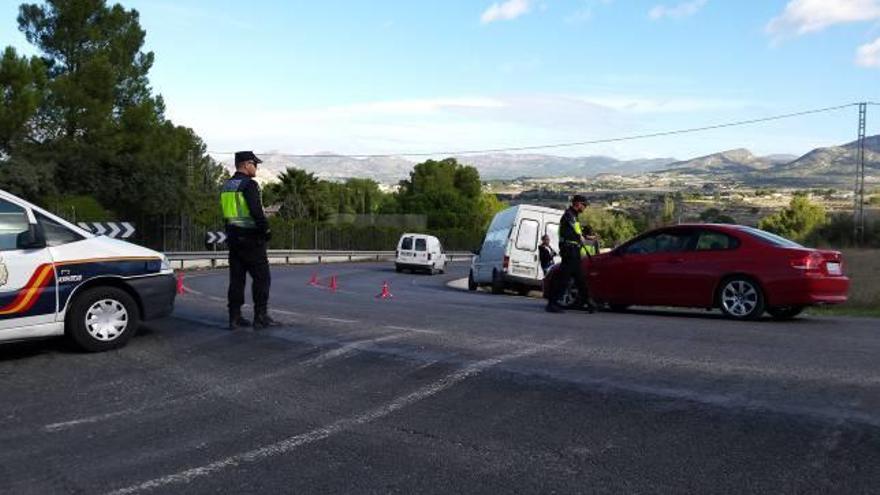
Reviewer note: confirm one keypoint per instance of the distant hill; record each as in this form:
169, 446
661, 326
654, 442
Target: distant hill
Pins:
509, 166
390, 170
833, 165
732, 162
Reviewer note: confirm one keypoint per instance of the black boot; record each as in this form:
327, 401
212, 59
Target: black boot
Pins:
554, 308
236, 321
263, 320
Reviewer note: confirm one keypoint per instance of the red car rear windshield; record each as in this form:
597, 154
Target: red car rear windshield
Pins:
768, 238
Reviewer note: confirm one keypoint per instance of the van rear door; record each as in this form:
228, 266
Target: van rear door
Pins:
421, 250
524, 248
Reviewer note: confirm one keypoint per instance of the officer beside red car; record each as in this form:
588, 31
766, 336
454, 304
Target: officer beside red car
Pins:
572, 246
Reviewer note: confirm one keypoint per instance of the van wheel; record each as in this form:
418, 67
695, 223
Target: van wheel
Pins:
472, 284
741, 298
102, 318
524, 291
497, 283
397, 268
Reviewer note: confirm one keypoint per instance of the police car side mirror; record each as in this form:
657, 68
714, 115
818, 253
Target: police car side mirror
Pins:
32, 238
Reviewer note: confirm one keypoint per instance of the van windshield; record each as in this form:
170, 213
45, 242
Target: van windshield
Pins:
406, 244
421, 245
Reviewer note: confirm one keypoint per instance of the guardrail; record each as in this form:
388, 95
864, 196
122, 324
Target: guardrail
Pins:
213, 259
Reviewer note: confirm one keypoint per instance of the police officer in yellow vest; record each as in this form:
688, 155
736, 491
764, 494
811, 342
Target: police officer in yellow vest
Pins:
572, 247
248, 234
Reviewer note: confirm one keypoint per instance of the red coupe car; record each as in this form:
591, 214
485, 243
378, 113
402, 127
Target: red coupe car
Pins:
742, 270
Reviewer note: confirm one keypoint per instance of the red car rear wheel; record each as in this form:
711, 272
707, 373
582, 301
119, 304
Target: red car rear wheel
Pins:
741, 298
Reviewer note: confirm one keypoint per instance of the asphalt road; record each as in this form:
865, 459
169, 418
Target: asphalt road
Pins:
444, 391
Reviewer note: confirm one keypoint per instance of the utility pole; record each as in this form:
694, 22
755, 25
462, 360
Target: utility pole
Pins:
859, 193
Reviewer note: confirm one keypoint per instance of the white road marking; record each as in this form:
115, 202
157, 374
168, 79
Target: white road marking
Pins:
316, 435
414, 330
349, 348
336, 320
319, 359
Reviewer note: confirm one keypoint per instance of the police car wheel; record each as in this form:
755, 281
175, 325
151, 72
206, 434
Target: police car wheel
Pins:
102, 318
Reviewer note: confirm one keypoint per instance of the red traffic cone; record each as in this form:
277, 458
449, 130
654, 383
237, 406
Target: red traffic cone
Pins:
314, 280
333, 284
180, 288
386, 293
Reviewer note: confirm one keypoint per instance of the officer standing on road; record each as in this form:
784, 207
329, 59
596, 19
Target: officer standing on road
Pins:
248, 234
572, 246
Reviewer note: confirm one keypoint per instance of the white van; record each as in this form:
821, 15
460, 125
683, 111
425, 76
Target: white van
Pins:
420, 252
508, 258
58, 279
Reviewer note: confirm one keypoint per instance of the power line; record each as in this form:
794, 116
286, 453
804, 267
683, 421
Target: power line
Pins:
570, 144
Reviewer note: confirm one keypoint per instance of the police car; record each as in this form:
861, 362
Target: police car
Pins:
58, 279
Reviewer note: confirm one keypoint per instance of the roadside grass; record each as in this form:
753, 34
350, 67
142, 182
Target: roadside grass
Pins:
862, 266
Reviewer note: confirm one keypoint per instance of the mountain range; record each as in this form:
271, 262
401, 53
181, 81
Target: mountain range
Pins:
821, 166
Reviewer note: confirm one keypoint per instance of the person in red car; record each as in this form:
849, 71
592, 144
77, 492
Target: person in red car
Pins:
572, 246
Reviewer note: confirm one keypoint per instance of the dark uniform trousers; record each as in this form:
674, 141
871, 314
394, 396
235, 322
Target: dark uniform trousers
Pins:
570, 268
248, 255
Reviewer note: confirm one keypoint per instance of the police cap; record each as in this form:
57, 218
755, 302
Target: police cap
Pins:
246, 156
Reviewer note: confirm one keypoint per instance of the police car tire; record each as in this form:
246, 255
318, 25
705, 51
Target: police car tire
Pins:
75, 326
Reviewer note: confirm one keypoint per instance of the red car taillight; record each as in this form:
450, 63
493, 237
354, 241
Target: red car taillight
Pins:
811, 262
506, 263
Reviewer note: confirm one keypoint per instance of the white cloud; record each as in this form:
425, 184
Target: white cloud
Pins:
810, 16
449, 123
868, 55
505, 11
679, 11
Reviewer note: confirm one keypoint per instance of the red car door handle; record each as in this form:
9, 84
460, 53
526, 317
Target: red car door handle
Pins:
676, 260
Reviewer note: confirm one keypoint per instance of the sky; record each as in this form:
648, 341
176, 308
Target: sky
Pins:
403, 76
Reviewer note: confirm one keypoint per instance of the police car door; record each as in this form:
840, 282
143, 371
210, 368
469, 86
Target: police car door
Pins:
27, 276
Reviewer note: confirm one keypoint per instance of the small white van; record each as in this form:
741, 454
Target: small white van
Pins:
58, 279
420, 252
508, 258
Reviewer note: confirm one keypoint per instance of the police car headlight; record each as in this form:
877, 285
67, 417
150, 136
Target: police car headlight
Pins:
166, 264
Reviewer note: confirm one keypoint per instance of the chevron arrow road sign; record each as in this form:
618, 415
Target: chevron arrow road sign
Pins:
116, 230
216, 237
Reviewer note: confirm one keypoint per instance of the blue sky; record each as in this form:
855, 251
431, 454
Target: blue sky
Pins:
397, 76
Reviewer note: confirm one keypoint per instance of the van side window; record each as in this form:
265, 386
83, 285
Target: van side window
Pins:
406, 244
56, 234
527, 237
421, 245
13, 221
